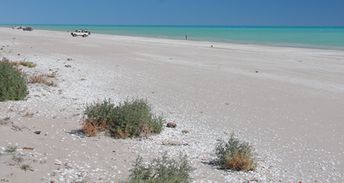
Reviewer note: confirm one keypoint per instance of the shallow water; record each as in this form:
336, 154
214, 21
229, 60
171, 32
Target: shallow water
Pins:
319, 37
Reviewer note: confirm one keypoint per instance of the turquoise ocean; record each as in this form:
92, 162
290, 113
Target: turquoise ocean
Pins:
318, 37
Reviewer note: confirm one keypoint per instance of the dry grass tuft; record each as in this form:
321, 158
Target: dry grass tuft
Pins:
239, 162
235, 155
27, 64
41, 79
91, 128
18, 63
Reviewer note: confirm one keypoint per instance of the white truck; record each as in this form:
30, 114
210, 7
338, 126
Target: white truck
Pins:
83, 33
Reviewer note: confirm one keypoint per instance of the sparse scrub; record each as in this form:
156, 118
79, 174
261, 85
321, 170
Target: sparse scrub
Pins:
10, 149
12, 83
22, 63
92, 128
235, 155
129, 119
163, 169
27, 64
17, 159
41, 79
185, 131
26, 167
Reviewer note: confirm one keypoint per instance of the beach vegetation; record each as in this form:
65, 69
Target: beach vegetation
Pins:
18, 63
26, 167
26, 64
10, 149
17, 159
13, 85
162, 169
131, 118
235, 155
41, 79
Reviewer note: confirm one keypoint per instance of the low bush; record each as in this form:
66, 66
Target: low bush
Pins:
161, 170
235, 155
129, 119
12, 83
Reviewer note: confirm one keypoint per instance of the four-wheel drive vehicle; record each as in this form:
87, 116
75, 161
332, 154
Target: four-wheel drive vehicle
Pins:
27, 29
83, 33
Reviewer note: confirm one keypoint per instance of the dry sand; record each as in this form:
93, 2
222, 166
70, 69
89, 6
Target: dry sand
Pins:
287, 102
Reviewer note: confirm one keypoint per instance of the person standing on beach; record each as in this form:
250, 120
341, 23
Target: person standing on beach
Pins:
186, 37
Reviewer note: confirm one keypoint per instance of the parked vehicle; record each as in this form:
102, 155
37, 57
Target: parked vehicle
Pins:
83, 33
27, 29
23, 28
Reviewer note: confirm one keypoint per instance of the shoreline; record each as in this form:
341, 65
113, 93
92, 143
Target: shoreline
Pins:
267, 44
285, 101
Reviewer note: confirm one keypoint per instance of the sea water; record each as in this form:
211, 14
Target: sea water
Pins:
319, 37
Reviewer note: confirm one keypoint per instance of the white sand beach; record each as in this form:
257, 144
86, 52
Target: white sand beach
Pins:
287, 102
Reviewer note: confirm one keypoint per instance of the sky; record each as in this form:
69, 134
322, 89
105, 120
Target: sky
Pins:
174, 12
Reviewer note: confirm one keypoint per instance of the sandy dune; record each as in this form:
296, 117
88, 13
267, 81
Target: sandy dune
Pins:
287, 102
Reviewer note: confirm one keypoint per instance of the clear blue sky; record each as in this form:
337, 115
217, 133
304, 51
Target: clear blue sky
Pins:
174, 12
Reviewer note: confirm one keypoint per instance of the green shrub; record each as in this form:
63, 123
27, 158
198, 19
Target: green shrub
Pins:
161, 170
235, 155
12, 83
129, 119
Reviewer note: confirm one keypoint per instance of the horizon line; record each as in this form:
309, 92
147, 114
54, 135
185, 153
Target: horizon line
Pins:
163, 25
